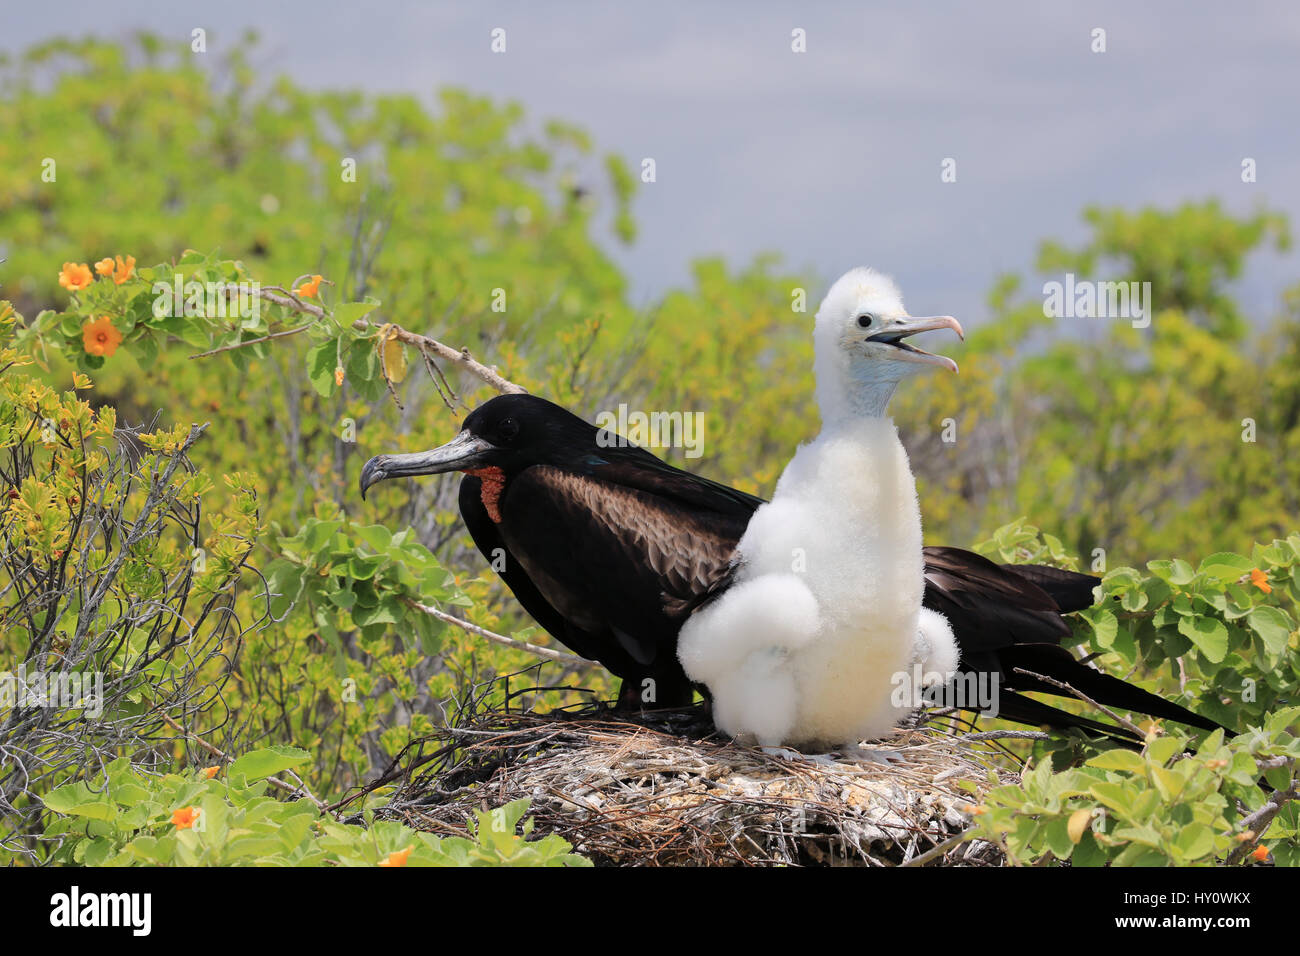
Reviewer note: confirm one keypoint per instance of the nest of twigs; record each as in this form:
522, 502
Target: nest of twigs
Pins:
665, 788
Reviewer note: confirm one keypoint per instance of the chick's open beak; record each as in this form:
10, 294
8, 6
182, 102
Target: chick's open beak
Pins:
911, 325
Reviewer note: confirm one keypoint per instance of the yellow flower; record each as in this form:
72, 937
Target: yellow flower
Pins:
100, 336
184, 817
123, 270
75, 276
397, 859
310, 289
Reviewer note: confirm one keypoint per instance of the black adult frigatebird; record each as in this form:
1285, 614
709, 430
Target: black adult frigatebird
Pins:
611, 549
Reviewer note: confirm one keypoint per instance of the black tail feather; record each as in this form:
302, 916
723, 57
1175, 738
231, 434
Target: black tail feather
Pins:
1022, 661
1071, 590
1025, 710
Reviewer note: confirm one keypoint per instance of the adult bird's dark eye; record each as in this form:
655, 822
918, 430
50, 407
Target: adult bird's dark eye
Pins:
864, 321
508, 428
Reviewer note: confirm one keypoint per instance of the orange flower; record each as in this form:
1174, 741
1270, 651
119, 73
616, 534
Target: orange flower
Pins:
338, 375
123, 270
104, 267
1260, 580
100, 337
210, 772
310, 289
1260, 854
75, 276
398, 858
184, 817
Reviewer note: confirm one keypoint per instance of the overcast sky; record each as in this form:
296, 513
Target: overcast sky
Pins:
832, 157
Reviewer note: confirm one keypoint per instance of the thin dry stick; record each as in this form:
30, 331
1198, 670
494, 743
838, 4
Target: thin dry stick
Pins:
265, 338
1122, 721
571, 660
937, 852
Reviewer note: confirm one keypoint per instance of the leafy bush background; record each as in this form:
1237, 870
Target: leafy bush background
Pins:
1127, 446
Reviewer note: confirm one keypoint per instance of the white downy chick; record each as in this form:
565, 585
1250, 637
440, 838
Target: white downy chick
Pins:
808, 644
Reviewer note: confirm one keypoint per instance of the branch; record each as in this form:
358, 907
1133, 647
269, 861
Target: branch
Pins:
1122, 721
286, 299
572, 660
1005, 735
1258, 821
265, 338
937, 851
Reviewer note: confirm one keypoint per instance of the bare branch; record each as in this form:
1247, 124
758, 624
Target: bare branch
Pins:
1122, 721
283, 297
1259, 821
571, 660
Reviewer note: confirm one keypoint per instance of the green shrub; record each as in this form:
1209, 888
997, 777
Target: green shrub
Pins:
192, 819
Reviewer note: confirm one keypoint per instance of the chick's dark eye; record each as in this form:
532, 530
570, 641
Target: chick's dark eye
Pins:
865, 320
508, 428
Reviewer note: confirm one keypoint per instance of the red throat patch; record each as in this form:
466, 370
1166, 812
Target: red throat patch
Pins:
492, 481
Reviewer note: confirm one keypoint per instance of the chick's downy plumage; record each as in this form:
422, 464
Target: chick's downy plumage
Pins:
824, 618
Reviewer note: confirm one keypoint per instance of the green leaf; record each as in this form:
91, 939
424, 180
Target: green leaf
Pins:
349, 312
362, 364
1114, 795
1057, 837
1274, 627
284, 581
1181, 572
97, 851
322, 359
1104, 626
269, 761
146, 350
253, 846
1195, 841
95, 810
375, 536
1134, 600
1145, 835
1125, 761
363, 567
1209, 634
343, 598
78, 800
1226, 566
1160, 750
1088, 852
384, 613
62, 799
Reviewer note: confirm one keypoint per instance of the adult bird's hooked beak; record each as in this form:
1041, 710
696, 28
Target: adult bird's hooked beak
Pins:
463, 452
910, 325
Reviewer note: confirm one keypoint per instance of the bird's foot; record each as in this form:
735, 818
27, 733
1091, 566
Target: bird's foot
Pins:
860, 754
783, 753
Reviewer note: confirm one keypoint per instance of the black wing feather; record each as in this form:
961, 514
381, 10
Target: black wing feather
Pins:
625, 550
